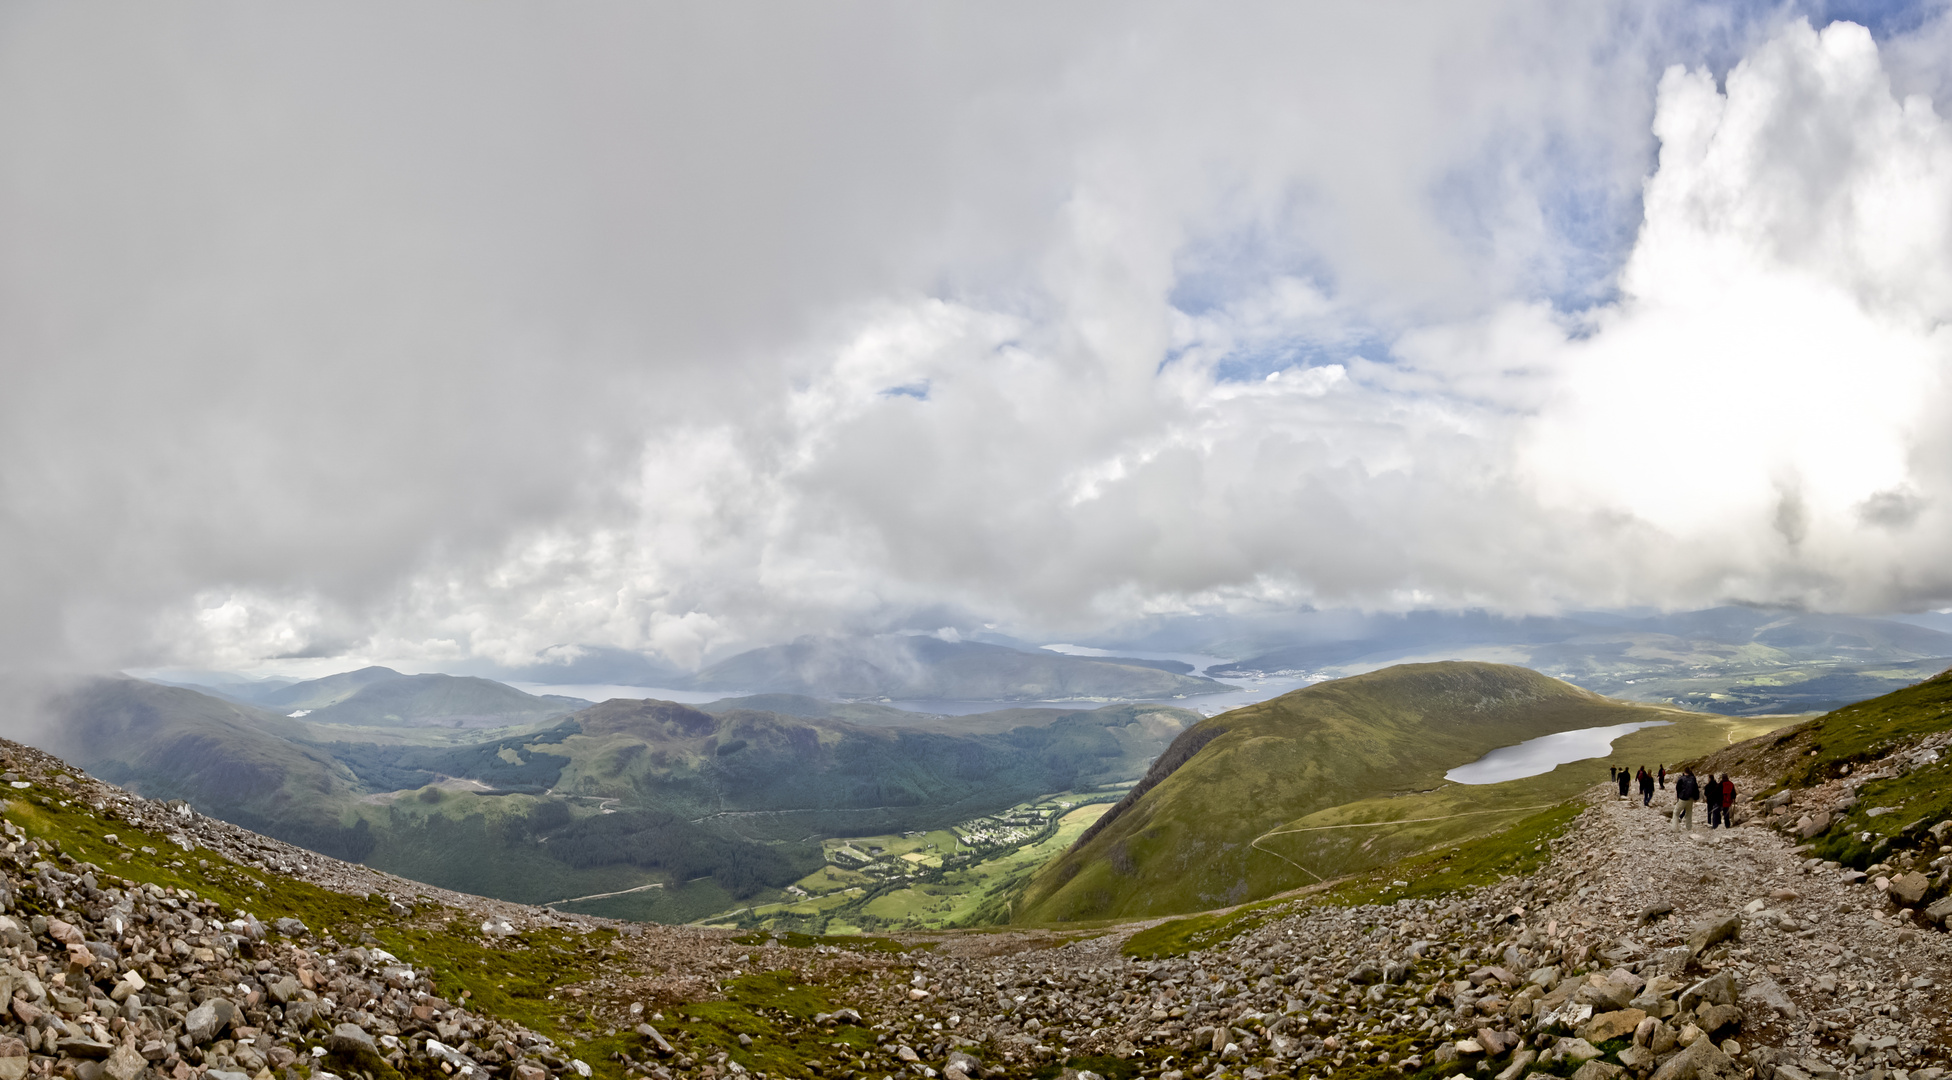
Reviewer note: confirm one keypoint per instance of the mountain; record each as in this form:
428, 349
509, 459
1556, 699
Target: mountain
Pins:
1733, 660
378, 696
706, 807
328, 691
1182, 840
923, 668
233, 761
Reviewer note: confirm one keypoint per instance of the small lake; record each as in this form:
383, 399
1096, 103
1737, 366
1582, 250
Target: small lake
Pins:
1545, 753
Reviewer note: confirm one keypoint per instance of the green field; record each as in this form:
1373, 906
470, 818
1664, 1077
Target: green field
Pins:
927, 880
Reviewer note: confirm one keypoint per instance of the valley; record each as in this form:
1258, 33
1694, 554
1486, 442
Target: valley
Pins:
1586, 941
964, 875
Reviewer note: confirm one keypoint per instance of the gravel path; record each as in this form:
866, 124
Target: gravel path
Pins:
1842, 956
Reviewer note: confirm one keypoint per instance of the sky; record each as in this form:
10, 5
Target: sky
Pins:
454, 333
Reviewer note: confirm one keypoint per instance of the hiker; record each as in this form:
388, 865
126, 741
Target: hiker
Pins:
1711, 796
1663, 778
1728, 802
1623, 778
1686, 790
1612, 775
1646, 787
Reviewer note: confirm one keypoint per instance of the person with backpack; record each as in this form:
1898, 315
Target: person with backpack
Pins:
1646, 787
1711, 795
1686, 790
1623, 778
1727, 787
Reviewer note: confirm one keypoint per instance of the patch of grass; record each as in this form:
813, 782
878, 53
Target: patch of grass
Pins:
1177, 937
1836, 742
1514, 852
773, 1009
854, 943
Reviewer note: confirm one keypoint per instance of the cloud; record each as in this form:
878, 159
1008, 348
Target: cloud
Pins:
465, 332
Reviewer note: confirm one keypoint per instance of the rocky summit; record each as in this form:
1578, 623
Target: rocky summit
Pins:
144, 941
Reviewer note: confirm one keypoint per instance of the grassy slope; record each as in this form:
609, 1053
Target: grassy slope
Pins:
1835, 745
1370, 833
233, 761
1185, 844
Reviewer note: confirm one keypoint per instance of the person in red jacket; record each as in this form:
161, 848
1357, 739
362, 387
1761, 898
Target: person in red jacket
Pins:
1728, 801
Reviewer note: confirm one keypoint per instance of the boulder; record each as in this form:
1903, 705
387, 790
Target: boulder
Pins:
1940, 911
657, 1040
1598, 1070
209, 1020
1701, 1061
1812, 826
1611, 1025
91, 1049
124, 1064
1575, 1050
289, 927
351, 1043
1638, 1058
285, 990
1718, 1019
1714, 990
1712, 931
1366, 974
1520, 1062
1909, 889
1766, 991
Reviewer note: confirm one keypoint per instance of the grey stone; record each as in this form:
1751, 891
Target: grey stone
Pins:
1713, 990
92, 1049
657, 1041
1520, 1062
350, 1041
1767, 991
1597, 1070
1701, 1061
1366, 974
289, 927
1712, 931
209, 1020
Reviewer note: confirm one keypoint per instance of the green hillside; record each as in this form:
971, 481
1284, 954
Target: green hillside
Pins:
693, 810
230, 760
330, 690
1894, 806
1184, 840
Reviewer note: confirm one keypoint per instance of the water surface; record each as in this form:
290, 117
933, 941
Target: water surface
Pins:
1545, 753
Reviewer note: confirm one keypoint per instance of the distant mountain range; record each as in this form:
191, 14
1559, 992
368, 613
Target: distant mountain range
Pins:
927, 668
1734, 660
382, 697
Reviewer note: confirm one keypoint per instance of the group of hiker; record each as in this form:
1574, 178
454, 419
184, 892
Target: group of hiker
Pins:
1718, 793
